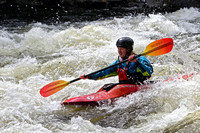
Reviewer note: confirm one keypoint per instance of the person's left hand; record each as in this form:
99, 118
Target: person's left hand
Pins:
130, 58
83, 76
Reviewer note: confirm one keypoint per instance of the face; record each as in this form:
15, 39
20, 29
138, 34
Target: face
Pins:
122, 51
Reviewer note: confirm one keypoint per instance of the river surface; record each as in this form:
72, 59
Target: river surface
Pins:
33, 55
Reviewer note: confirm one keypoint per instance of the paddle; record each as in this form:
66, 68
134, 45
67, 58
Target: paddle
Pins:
158, 47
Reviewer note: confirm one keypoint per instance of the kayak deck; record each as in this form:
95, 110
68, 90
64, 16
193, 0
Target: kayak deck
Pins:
102, 96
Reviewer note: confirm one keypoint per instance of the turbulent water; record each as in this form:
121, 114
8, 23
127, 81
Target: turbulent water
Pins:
34, 55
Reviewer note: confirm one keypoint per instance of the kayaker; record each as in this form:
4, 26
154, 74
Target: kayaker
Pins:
134, 71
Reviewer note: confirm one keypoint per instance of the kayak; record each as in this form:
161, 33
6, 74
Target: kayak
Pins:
103, 96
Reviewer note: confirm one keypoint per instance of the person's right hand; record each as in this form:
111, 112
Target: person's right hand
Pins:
83, 76
130, 58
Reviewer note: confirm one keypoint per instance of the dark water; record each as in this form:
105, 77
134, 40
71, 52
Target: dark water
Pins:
19, 15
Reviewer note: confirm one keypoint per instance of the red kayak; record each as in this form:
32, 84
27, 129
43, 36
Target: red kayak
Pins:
103, 96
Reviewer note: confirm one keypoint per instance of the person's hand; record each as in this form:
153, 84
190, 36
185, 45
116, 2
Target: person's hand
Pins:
130, 58
83, 76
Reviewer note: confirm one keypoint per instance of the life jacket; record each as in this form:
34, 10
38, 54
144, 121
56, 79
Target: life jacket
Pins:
123, 74
135, 78
125, 77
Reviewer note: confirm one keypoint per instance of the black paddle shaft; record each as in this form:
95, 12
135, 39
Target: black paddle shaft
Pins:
111, 66
106, 68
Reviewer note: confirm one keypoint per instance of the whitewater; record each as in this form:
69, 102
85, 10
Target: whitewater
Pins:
34, 55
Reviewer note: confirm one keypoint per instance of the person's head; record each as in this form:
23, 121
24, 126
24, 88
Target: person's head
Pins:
125, 46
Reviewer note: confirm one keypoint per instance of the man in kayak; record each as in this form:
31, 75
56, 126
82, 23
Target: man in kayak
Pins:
135, 71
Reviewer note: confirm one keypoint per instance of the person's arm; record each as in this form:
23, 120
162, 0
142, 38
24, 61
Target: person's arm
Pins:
142, 64
103, 74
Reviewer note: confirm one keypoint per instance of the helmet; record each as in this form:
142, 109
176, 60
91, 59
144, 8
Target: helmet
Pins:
125, 42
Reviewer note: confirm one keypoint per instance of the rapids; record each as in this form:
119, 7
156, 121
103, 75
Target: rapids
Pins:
36, 54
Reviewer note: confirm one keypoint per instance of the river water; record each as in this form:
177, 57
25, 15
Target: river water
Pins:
36, 54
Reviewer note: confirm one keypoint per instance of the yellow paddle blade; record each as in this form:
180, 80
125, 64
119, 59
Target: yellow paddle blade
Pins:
159, 47
53, 87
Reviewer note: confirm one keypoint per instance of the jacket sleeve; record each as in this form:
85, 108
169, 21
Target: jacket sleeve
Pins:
106, 73
144, 66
